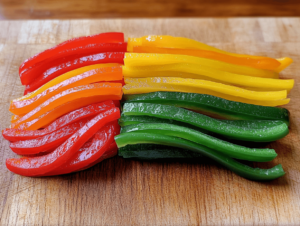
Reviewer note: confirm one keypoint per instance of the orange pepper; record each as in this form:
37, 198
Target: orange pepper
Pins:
15, 118
23, 106
96, 89
285, 62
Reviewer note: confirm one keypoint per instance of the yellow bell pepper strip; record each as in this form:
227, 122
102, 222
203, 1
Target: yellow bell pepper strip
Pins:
285, 62
245, 61
96, 89
133, 42
107, 74
147, 59
146, 85
197, 72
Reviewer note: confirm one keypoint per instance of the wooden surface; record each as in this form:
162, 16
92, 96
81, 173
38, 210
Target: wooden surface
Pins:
78, 9
126, 192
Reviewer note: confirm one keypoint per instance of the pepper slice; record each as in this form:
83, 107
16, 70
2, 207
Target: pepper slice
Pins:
212, 106
229, 149
106, 74
68, 95
243, 170
232, 131
33, 166
112, 37
151, 59
195, 72
47, 142
12, 134
285, 62
63, 67
245, 61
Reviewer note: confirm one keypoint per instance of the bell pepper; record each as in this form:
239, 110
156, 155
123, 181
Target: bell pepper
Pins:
15, 118
155, 59
265, 134
65, 66
97, 75
74, 43
202, 72
245, 61
96, 89
47, 142
285, 62
33, 166
212, 106
228, 92
89, 111
243, 170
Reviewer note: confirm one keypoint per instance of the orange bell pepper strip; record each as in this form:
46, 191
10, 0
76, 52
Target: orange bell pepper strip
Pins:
96, 75
285, 62
91, 90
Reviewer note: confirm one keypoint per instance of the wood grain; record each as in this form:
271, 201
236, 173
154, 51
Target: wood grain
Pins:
78, 9
126, 192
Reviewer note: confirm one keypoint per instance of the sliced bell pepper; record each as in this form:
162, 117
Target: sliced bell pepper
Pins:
15, 118
285, 62
265, 134
112, 37
195, 72
151, 59
243, 170
63, 67
33, 166
12, 134
96, 89
47, 142
106, 74
245, 61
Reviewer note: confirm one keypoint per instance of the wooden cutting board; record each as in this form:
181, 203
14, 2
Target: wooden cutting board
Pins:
127, 192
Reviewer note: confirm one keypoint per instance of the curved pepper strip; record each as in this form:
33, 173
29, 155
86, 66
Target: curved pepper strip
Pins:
70, 55
245, 61
91, 152
64, 77
151, 59
50, 116
12, 134
59, 69
202, 86
47, 142
238, 168
34, 166
211, 74
96, 89
285, 62
107, 74
112, 37
15, 118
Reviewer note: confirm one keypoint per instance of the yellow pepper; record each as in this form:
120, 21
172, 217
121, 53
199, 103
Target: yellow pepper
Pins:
285, 62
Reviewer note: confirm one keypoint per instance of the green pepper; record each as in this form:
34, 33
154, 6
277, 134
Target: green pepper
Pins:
212, 105
243, 170
265, 134
229, 149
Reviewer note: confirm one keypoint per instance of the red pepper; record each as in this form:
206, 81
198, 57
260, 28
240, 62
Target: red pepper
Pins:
28, 75
112, 37
65, 66
90, 152
47, 142
12, 134
33, 166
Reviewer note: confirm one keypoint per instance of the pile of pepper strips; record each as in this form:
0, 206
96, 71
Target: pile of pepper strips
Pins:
67, 120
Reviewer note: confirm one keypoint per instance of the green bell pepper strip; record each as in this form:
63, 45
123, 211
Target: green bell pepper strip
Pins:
229, 149
266, 134
212, 105
243, 170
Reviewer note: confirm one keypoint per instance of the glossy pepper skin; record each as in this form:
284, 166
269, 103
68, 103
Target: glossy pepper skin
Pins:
89, 111
34, 166
112, 37
65, 66
47, 142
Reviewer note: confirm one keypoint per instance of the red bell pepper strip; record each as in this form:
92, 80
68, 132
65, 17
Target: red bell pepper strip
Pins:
112, 37
28, 75
12, 134
33, 166
65, 66
47, 142
90, 151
